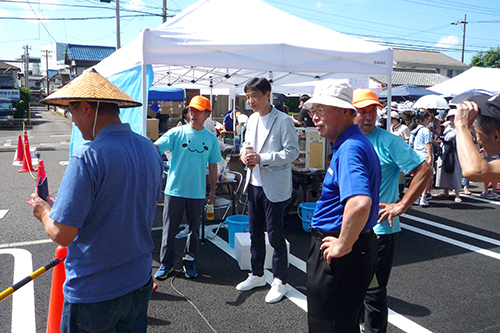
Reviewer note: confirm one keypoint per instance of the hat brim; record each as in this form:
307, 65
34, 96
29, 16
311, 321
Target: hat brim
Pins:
329, 100
91, 87
365, 103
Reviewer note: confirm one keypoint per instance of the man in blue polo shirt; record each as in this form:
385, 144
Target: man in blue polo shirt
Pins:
394, 154
104, 212
343, 250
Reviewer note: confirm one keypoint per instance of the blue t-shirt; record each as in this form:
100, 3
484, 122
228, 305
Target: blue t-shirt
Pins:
109, 193
192, 150
354, 170
421, 136
394, 154
229, 121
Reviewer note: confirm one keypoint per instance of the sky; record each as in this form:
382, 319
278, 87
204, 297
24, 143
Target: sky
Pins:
414, 24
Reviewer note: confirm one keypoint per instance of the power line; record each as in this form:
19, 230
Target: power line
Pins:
74, 18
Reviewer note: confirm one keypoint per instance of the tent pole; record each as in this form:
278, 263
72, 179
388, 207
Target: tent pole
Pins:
389, 101
144, 101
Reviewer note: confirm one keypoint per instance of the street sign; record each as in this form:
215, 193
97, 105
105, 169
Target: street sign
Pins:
10, 94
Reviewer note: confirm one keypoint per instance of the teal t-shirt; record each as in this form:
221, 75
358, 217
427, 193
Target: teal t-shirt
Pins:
192, 151
394, 155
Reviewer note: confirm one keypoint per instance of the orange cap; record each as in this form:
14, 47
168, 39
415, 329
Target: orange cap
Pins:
200, 103
362, 98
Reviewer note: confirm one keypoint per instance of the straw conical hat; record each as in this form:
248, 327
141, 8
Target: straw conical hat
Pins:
91, 87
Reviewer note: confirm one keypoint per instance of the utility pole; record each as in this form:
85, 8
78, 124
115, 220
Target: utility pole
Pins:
117, 24
26, 65
164, 11
47, 52
464, 22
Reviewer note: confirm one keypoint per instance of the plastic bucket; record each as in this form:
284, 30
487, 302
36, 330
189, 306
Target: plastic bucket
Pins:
236, 223
305, 212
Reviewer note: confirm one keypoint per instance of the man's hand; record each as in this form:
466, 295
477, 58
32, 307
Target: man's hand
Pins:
250, 160
466, 114
211, 198
332, 248
41, 208
390, 211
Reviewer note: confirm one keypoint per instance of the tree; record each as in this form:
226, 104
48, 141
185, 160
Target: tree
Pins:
490, 58
23, 104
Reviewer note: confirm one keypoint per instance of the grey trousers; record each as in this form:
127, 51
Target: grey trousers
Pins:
172, 217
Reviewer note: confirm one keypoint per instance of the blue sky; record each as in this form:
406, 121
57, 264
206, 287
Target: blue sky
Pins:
418, 24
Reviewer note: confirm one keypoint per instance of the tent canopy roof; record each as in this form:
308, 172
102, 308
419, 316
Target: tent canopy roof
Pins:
473, 78
207, 44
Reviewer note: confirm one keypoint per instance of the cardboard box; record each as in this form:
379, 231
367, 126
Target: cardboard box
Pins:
242, 251
152, 129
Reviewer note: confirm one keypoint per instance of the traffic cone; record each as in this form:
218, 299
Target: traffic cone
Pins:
56, 293
20, 150
42, 187
27, 165
40, 172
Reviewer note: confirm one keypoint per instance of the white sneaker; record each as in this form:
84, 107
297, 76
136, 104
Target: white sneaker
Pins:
183, 233
423, 202
252, 281
278, 290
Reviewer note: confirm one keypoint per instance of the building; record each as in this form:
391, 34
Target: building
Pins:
81, 57
421, 68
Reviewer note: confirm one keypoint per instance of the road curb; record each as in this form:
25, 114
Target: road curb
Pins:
14, 149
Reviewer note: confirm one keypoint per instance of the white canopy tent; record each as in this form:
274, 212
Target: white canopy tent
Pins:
473, 78
224, 43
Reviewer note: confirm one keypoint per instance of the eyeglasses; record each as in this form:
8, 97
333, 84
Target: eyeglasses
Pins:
68, 109
320, 111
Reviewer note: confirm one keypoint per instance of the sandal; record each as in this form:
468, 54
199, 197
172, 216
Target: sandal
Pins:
442, 194
467, 192
457, 199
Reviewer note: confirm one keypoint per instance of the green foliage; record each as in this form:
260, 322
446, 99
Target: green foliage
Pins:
293, 104
22, 105
490, 58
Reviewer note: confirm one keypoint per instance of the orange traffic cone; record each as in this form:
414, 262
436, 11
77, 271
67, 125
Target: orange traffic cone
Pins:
42, 188
27, 165
20, 150
56, 293
40, 172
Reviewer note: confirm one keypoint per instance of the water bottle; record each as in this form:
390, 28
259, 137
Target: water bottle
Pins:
210, 212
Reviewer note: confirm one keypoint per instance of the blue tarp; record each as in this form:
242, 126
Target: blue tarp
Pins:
407, 92
166, 94
130, 82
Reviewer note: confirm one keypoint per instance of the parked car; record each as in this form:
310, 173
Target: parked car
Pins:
6, 111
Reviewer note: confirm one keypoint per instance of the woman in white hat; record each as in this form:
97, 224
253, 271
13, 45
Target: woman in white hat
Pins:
449, 172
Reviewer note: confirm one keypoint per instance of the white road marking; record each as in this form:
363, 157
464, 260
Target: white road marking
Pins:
3, 212
60, 135
452, 241
452, 229
23, 300
299, 298
405, 324
7, 143
19, 244
479, 198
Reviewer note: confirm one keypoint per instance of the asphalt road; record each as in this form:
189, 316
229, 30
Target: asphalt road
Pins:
445, 277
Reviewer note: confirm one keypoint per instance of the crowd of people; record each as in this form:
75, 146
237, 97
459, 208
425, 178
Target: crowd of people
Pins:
114, 181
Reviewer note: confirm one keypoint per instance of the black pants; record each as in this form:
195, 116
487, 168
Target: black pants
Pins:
335, 292
376, 311
263, 214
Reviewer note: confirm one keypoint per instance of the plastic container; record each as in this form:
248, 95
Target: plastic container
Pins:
236, 223
305, 212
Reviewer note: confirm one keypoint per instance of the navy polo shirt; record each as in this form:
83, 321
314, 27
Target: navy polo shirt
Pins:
354, 170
